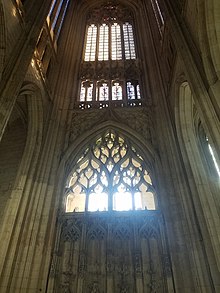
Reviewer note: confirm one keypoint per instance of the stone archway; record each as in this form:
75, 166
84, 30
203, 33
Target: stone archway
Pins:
20, 195
203, 197
109, 251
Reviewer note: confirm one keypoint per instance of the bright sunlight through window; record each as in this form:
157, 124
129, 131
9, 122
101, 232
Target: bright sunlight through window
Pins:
110, 176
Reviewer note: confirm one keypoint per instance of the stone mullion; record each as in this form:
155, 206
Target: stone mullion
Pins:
134, 82
94, 81
198, 82
109, 42
122, 41
124, 82
97, 43
124, 92
87, 199
86, 91
110, 191
17, 66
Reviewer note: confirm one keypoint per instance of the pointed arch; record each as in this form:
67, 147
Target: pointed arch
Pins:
96, 231
204, 199
149, 153
21, 193
74, 154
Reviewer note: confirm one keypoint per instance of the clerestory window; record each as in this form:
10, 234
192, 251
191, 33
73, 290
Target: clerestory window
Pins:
56, 15
158, 15
110, 175
110, 41
207, 149
110, 70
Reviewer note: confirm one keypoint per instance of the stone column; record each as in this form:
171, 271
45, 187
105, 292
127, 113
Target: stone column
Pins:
17, 65
195, 74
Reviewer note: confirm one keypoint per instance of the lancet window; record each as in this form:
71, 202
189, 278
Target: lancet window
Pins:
110, 175
110, 41
110, 70
46, 46
158, 15
56, 15
207, 150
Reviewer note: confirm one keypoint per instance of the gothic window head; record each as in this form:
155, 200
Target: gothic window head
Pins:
110, 175
110, 70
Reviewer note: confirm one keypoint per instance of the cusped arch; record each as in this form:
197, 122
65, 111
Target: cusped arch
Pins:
96, 231
75, 153
149, 230
145, 148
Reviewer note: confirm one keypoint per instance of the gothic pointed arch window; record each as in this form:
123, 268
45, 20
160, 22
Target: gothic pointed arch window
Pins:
158, 15
206, 148
194, 135
110, 175
110, 69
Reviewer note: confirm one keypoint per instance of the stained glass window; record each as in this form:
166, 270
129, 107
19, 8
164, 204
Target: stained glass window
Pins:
109, 60
116, 41
90, 50
56, 15
110, 33
86, 91
129, 41
116, 91
110, 175
103, 91
103, 42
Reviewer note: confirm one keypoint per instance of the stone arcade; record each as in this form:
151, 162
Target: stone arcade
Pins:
109, 146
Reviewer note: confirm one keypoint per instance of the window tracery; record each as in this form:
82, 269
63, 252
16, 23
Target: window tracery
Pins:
110, 175
110, 62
